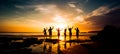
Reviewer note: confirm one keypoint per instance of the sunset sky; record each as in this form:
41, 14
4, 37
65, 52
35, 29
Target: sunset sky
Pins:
34, 15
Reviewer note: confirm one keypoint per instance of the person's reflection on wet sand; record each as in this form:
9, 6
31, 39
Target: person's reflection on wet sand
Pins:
65, 45
59, 48
44, 48
50, 48
70, 43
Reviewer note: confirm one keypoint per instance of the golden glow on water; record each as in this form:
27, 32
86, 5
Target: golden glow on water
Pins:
49, 47
61, 38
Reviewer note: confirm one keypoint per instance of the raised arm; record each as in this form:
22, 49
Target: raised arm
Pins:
75, 28
46, 28
53, 27
72, 27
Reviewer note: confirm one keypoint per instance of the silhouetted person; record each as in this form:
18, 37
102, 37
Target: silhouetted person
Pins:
77, 32
70, 31
58, 30
45, 32
65, 30
50, 31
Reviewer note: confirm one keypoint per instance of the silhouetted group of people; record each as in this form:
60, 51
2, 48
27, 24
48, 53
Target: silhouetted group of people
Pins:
58, 31
49, 30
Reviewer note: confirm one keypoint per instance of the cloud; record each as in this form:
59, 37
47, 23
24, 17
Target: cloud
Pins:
71, 5
20, 7
87, 0
46, 14
108, 17
41, 8
48, 8
99, 11
79, 10
75, 8
78, 19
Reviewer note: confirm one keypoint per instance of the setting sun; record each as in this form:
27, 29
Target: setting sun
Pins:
61, 26
60, 22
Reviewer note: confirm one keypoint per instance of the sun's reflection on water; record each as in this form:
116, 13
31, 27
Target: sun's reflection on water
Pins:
49, 47
61, 38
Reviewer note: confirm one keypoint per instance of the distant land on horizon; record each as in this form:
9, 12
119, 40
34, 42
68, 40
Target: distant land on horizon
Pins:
93, 31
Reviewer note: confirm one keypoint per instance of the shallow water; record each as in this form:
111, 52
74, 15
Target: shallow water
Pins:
50, 47
47, 47
54, 48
